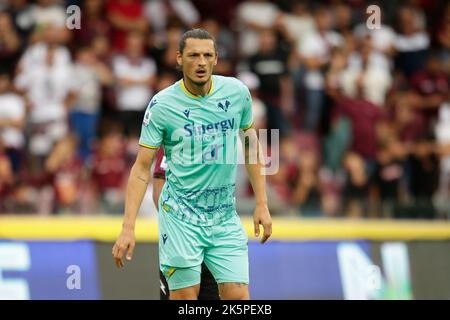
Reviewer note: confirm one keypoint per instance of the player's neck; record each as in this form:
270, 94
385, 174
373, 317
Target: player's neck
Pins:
197, 90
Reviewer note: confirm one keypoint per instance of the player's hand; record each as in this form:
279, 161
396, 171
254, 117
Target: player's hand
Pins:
124, 244
262, 216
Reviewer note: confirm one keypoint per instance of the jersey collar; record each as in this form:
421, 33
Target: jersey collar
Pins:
211, 90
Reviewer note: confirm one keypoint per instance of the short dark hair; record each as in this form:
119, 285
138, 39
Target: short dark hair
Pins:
195, 34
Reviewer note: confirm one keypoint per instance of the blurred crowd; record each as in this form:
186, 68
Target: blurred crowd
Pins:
363, 113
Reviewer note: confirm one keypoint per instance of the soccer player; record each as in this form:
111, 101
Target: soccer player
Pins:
197, 120
208, 286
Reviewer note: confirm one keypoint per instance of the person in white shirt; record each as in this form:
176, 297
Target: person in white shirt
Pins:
372, 68
297, 23
89, 74
135, 76
253, 16
12, 121
315, 53
44, 76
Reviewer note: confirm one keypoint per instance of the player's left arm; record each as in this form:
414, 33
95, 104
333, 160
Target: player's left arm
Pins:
255, 170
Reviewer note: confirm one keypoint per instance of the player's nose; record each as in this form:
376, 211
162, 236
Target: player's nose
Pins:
202, 61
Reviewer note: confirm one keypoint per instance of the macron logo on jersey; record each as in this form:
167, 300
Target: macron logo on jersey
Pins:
164, 237
152, 103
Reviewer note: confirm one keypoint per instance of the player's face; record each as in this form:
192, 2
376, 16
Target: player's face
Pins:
198, 60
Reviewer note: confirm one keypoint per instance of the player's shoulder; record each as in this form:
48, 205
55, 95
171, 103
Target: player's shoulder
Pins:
165, 97
230, 83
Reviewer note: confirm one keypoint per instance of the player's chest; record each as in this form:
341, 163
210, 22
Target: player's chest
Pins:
213, 114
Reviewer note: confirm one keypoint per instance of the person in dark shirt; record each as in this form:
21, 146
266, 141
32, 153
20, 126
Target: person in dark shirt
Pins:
276, 88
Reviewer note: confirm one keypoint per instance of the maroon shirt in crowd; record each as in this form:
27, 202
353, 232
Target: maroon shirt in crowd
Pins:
364, 117
131, 9
108, 171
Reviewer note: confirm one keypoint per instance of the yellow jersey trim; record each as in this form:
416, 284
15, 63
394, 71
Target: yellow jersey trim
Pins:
248, 127
147, 146
183, 86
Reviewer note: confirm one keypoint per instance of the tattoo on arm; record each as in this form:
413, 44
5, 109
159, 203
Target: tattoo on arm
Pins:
142, 179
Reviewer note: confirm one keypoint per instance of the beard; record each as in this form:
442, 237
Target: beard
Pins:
200, 83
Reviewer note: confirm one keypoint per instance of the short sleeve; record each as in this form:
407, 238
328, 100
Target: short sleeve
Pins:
247, 114
152, 131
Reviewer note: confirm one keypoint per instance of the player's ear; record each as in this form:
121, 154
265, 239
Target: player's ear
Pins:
217, 57
179, 59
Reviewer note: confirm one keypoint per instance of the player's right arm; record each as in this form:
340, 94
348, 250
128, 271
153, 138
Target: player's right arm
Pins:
136, 188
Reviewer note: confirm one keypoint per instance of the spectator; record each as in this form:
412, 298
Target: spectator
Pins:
89, 75
383, 38
165, 54
424, 180
363, 117
343, 19
109, 169
442, 132
315, 53
93, 23
6, 178
412, 42
443, 39
432, 85
12, 123
254, 16
49, 12
356, 188
125, 16
65, 170
44, 76
21, 13
296, 23
259, 122
372, 69
307, 191
161, 12
409, 123
101, 47
389, 172
276, 87
225, 46
135, 76
259, 109
10, 43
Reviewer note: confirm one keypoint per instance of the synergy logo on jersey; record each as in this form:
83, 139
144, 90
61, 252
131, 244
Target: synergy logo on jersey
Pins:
193, 129
224, 106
